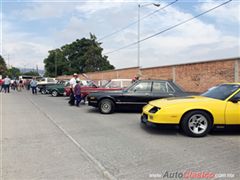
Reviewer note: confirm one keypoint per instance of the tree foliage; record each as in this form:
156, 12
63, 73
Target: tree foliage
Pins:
84, 55
31, 73
3, 66
13, 72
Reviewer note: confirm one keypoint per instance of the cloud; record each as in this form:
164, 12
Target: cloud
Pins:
200, 39
45, 10
24, 48
194, 41
91, 7
23, 53
227, 13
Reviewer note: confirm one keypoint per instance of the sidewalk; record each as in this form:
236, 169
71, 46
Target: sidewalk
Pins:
33, 148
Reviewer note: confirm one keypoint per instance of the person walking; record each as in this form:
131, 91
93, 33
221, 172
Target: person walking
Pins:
20, 85
14, 85
77, 92
33, 85
7, 82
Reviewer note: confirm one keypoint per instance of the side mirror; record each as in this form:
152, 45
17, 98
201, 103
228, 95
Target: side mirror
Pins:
235, 99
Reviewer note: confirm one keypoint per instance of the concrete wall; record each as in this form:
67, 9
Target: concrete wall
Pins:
196, 77
237, 70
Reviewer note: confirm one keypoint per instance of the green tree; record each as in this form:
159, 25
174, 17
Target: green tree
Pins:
31, 73
84, 55
55, 64
13, 72
93, 59
3, 67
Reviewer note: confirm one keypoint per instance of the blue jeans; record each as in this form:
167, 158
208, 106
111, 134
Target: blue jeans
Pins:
34, 90
6, 88
78, 99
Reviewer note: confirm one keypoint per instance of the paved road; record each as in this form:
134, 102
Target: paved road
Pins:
44, 138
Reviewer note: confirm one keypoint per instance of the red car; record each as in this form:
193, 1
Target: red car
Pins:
89, 86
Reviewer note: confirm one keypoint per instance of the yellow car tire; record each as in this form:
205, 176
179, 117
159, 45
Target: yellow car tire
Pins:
196, 123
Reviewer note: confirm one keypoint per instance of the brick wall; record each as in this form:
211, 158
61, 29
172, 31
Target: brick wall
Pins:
201, 76
195, 77
127, 73
157, 73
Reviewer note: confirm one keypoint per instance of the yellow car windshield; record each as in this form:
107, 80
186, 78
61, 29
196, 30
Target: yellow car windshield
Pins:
222, 91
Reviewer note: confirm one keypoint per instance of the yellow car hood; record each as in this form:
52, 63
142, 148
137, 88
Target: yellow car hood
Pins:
181, 100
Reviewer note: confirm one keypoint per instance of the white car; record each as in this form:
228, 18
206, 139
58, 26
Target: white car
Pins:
118, 83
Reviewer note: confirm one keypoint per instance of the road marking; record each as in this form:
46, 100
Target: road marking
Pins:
1, 138
87, 155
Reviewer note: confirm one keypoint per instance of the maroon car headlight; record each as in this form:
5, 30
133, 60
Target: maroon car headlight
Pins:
154, 110
92, 98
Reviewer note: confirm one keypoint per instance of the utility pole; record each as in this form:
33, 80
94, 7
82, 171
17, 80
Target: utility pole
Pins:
138, 33
55, 67
37, 68
8, 61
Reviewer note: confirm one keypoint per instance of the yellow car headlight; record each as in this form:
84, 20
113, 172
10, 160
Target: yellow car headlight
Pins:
154, 109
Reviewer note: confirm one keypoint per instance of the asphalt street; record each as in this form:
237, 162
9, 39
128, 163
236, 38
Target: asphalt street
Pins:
42, 137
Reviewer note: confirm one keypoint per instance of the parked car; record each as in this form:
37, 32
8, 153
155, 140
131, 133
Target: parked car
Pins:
90, 86
56, 89
84, 84
197, 115
42, 83
134, 97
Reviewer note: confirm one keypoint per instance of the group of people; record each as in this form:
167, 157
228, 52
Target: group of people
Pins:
6, 84
75, 88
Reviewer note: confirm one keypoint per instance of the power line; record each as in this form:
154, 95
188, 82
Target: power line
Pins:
172, 27
135, 22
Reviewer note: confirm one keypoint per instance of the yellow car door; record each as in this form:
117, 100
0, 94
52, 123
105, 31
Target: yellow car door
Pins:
232, 112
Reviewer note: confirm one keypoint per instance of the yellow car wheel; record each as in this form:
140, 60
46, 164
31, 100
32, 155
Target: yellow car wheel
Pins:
196, 123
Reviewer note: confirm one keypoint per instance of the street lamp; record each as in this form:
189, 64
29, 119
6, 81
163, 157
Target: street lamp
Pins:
138, 52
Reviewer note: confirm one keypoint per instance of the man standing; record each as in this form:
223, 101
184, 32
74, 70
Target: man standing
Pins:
33, 85
7, 82
73, 80
72, 85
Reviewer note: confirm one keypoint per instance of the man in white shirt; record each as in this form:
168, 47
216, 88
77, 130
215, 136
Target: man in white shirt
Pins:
33, 85
7, 82
73, 83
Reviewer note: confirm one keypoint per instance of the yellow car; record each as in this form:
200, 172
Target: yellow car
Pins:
197, 115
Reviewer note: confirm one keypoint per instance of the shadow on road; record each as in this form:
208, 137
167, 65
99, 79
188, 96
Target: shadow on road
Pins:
226, 132
175, 130
95, 110
161, 130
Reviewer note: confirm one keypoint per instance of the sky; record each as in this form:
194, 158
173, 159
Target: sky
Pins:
30, 28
